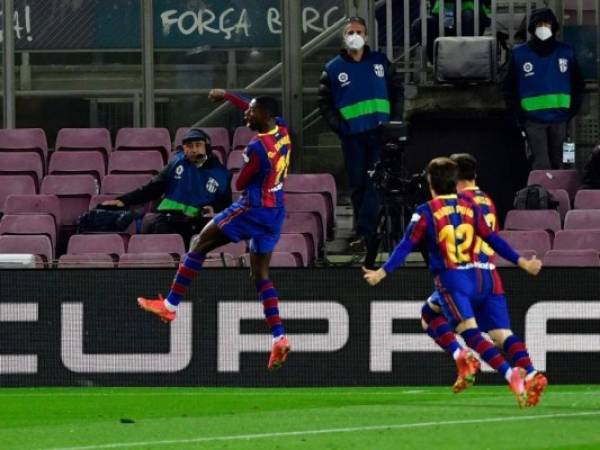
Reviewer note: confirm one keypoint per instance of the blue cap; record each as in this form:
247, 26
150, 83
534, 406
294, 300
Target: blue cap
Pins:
195, 134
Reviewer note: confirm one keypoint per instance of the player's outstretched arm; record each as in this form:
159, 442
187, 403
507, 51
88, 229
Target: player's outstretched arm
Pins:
218, 95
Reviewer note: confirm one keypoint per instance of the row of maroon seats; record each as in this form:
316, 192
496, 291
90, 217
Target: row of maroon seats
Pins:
540, 242
561, 258
318, 193
547, 219
33, 140
144, 250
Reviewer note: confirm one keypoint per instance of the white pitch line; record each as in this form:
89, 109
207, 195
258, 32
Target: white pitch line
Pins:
259, 394
248, 437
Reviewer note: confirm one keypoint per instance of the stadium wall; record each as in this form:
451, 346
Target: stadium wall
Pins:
83, 328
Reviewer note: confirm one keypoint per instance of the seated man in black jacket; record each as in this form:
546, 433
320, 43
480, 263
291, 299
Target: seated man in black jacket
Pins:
193, 186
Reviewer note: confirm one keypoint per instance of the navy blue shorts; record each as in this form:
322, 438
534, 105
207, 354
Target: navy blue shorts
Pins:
489, 310
261, 225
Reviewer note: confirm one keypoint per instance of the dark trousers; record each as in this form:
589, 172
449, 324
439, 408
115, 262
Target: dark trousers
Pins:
468, 29
177, 223
546, 144
361, 152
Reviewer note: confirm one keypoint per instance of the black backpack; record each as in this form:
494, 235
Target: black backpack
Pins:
534, 196
104, 219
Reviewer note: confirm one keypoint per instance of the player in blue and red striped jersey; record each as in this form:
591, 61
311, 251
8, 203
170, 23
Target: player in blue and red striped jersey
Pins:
449, 225
491, 311
258, 215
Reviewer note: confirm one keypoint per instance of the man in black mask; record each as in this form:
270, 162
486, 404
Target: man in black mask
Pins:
544, 89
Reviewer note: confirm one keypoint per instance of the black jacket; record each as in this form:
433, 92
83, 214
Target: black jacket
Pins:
395, 87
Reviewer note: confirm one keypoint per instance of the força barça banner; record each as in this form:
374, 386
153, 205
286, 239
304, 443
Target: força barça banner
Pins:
116, 24
83, 328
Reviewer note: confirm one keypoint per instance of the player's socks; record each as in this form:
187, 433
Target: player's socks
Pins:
439, 330
268, 296
186, 272
488, 352
518, 354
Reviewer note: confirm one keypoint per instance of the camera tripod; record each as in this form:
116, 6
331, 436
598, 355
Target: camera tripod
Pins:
391, 225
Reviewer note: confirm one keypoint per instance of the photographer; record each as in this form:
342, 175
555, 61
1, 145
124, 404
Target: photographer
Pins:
359, 89
194, 186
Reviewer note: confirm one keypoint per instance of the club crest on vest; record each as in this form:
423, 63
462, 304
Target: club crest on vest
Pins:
212, 185
563, 64
379, 71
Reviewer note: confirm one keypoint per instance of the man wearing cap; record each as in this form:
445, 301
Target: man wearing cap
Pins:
544, 89
194, 186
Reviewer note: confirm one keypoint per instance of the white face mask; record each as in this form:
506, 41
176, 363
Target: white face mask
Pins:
354, 41
543, 33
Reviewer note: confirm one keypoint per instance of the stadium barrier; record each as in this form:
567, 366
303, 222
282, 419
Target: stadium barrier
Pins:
82, 327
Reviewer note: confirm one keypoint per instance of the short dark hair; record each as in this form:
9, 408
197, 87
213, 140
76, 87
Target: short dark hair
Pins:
442, 174
467, 166
268, 105
355, 19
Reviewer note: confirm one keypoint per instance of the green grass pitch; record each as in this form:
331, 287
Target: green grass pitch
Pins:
484, 417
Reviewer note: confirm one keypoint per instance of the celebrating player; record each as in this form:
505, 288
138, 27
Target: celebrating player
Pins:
449, 224
491, 312
258, 215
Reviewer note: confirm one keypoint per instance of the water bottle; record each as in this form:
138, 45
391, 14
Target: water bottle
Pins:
568, 151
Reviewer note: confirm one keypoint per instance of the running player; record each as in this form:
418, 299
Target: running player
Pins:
449, 224
491, 311
258, 215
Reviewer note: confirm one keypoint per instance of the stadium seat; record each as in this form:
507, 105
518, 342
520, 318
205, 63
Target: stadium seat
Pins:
34, 204
74, 193
577, 240
154, 259
532, 219
219, 260
39, 245
579, 219
24, 224
235, 160
316, 183
71, 163
88, 260
120, 184
572, 258
587, 199
25, 140
235, 249
22, 163
501, 262
564, 203
144, 139
278, 259
308, 225
109, 244
537, 240
157, 243
295, 244
149, 162
313, 203
85, 139
556, 179
219, 137
241, 137
15, 185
